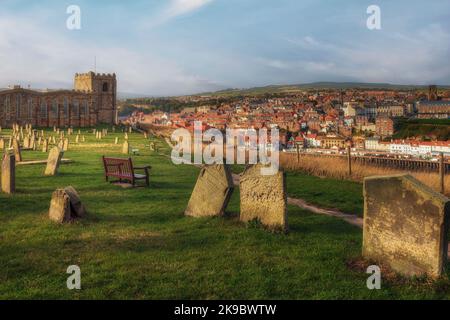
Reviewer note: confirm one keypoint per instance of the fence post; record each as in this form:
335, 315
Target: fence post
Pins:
441, 172
298, 153
349, 159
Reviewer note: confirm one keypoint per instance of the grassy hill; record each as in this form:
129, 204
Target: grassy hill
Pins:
280, 89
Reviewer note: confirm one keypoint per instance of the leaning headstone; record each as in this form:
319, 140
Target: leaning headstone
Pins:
263, 198
405, 225
126, 147
17, 150
53, 162
9, 173
212, 192
116, 141
76, 205
66, 206
2, 143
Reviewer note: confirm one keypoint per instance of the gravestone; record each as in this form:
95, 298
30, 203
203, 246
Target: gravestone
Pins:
2, 143
65, 144
60, 207
76, 205
116, 141
126, 147
212, 192
17, 150
9, 173
45, 146
53, 162
26, 142
263, 198
405, 225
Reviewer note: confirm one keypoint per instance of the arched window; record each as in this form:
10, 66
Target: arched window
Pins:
43, 110
54, 108
30, 108
105, 86
76, 108
8, 107
66, 107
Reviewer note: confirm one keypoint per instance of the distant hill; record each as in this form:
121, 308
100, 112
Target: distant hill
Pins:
316, 85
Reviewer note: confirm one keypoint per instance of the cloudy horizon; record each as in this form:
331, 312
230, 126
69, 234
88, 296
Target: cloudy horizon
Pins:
175, 47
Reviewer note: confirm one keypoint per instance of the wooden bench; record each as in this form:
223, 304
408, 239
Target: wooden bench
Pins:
123, 170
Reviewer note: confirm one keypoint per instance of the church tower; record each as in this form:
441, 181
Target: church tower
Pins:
104, 89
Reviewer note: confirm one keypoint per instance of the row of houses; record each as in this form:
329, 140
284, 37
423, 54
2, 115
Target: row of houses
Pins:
409, 147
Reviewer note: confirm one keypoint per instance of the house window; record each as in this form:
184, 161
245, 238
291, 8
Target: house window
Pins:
76, 108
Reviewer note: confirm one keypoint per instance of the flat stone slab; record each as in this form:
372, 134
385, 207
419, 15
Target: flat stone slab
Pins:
212, 192
263, 198
405, 225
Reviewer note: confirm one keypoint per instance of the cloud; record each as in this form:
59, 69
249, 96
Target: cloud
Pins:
181, 7
416, 58
175, 9
44, 58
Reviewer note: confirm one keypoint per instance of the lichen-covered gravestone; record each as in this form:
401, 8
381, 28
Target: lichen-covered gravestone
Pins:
66, 206
53, 162
263, 198
9, 173
212, 192
405, 225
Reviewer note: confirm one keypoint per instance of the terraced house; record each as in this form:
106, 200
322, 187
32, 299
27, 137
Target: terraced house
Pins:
92, 101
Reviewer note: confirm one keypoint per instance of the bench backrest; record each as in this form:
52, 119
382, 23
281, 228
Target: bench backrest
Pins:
118, 167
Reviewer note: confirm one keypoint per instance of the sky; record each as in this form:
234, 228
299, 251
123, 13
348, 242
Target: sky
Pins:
176, 47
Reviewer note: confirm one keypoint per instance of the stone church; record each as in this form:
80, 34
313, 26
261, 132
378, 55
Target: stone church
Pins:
91, 102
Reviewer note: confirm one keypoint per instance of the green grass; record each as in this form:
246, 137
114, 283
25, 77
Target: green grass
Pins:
137, 244
343, 195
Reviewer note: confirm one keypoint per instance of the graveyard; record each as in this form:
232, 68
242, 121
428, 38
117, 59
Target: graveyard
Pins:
155, 242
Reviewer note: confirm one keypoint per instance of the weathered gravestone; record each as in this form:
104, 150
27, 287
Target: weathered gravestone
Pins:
126, 147
9, 173
263, 198
45, 146
65, 144
405, 225
212, 192
17, 150
54, 159
2, 144
66, 206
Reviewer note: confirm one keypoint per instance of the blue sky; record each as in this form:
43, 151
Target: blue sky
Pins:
171, 47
